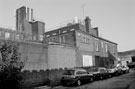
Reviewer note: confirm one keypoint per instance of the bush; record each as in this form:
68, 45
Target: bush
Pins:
10, 65
10, 78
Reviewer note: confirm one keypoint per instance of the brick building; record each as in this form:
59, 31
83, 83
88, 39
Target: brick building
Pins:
91, 50
126, 57
73, 45
27, 24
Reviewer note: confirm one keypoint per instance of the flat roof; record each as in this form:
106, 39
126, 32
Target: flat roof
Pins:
81, 31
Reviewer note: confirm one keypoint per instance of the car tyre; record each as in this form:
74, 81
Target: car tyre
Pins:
101, 77
110, 75
91, 79
78, 82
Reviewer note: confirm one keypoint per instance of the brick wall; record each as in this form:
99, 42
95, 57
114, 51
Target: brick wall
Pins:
34, 55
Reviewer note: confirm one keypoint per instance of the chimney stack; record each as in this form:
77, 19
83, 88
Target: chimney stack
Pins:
27, 14
88, 24
31, 14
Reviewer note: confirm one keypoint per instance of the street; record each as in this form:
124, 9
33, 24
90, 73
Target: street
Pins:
118, 82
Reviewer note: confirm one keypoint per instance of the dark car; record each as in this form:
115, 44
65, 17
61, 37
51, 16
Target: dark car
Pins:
125, 69
119, 70
112, 71
76, 76
99, 72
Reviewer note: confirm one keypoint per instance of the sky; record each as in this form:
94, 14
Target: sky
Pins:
114, 18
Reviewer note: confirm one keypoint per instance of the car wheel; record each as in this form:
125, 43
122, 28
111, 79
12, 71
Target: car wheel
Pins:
101, 77
78, 82
91, 79
110, 76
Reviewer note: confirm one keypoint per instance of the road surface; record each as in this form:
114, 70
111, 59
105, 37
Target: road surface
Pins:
118, 82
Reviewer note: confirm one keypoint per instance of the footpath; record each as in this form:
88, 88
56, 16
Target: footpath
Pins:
132, 86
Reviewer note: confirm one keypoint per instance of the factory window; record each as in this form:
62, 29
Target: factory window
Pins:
41, 38
106, 47
87, 40
55, 39
78, 34
64, 31
72, 29
51, 39
47, 35
34, 37
114, 49
7, 35
96, 45
54, 34
62, 39
17, 37
84, 39
102, 44
22, 37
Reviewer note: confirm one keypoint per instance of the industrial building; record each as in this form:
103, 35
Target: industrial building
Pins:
126, 57
26, 23
75, 44
91, 50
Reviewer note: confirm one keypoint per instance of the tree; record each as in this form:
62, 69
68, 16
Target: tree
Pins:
10, 65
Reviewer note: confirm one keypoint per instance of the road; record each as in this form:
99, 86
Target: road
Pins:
118, 82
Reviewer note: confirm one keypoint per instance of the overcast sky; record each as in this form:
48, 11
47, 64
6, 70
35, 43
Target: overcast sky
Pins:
114, 18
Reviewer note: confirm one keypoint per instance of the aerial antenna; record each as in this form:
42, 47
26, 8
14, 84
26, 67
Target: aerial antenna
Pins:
83, 10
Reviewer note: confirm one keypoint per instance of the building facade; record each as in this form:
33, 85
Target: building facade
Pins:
25, 23
126, 57
76, 44
91, 50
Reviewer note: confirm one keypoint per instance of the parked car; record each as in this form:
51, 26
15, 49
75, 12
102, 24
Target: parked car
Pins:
125, 69
99, 72
76, 76
119, 70
112, 71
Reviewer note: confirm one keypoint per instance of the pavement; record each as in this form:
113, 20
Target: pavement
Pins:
132, 86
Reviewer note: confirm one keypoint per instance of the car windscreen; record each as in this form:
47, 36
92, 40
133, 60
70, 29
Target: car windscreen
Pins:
93, 70
69, 72
102, 70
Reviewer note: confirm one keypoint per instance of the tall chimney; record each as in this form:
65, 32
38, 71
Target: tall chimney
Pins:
31, 14
27, 14
88, 24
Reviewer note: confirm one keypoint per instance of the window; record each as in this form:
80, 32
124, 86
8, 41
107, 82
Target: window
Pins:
54, 34
62, 39
17, 37
7, 35
94, 70
72, 29
106, 48
64, 31
102, 70
47, 35
34, 37
84, 39
96, 45
102, 44
81, 72
41, 38
69, 72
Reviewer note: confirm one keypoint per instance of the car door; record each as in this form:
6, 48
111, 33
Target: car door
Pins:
103, 72
82, 75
